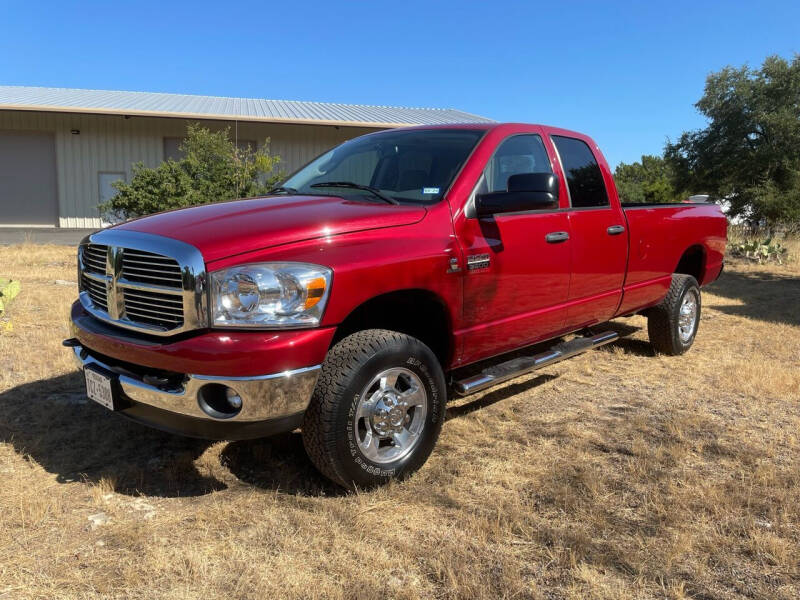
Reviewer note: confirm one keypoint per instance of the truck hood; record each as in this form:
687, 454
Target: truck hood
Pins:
228, 228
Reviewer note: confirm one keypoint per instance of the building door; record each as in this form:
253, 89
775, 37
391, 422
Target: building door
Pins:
28, 179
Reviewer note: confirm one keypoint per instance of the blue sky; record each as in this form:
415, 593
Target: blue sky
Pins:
627, 73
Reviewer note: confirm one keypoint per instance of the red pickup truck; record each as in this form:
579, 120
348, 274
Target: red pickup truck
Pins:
345, 302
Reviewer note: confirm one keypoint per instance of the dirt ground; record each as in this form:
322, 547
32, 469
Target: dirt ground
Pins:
618, 474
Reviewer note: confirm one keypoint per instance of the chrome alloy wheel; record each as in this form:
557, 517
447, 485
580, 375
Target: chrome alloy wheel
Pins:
687, 316
390, 415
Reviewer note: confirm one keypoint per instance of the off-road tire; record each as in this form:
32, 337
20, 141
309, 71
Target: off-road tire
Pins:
348, 368
663, 320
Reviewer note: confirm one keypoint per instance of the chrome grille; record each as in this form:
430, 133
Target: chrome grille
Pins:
97, 292
153, 308
143, 281
95, 258
151, 268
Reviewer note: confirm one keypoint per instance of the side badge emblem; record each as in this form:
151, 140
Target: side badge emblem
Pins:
477, 261
453, 266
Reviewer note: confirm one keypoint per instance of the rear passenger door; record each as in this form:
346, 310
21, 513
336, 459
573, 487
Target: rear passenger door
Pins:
598, 234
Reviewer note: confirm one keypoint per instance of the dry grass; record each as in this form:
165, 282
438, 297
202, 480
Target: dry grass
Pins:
615, 475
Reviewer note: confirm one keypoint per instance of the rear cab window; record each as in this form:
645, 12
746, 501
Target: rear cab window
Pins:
585, 183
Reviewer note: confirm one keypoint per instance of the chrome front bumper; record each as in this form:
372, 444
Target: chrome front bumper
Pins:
264, 398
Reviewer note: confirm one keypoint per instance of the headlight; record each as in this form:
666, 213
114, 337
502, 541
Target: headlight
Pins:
270, 295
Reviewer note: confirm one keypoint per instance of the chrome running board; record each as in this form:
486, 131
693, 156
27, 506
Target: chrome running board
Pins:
525, 364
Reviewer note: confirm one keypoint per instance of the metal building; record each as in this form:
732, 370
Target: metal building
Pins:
60, 149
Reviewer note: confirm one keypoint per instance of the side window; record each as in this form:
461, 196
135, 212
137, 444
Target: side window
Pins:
584, 178
517, 154
172, 148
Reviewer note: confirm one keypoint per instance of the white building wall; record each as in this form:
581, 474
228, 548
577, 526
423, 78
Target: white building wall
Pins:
114, 143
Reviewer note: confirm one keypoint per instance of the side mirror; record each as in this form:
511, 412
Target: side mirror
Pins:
526, 191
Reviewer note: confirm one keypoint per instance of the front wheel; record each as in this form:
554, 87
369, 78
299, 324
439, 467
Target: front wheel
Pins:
377, 409
672, 325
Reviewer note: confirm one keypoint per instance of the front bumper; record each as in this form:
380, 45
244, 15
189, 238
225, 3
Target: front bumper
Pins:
232, 353
271, 403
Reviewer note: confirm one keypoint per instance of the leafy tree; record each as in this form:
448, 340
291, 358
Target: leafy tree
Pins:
213, 169
647, 181
749, 154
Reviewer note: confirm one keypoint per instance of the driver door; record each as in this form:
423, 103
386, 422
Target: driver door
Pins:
517, 275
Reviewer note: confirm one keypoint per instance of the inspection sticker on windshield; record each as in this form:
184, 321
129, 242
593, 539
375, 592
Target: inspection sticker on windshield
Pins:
430, 190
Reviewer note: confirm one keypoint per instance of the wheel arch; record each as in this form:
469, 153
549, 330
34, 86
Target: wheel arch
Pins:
417, 312
692, 262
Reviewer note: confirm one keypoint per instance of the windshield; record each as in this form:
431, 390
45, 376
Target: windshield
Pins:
407, 166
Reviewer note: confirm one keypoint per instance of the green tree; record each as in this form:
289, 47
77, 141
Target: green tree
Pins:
213, 169
649, 180
749, 154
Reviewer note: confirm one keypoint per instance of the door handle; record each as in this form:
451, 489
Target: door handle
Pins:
556, 237
615, 229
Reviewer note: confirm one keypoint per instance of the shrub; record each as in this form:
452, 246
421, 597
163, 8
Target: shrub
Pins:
762, 245
212, 170
761, 252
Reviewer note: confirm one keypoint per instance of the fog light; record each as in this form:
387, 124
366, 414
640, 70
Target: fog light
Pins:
234, 399
219, 401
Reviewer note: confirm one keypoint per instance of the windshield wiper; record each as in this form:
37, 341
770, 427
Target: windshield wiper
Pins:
281, 189
356, 186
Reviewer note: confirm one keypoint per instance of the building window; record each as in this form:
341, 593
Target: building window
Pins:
105, 180
172, 150
245, 144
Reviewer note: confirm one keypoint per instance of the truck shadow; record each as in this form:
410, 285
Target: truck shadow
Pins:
277, 463
764, 296
52, 423
627, 344
498, 395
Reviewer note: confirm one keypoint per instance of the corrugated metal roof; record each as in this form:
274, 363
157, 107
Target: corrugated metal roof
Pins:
216, 107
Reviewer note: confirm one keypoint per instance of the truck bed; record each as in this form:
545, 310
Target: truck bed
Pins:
660, 237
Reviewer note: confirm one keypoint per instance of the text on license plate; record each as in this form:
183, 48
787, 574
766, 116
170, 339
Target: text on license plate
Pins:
98, 388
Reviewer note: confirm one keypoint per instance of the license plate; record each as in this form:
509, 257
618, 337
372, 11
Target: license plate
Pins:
98, 388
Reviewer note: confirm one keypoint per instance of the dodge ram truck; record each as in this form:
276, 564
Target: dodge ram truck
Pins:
346, 302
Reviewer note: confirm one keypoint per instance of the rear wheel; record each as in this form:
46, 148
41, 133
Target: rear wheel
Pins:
672, 325
377, 410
